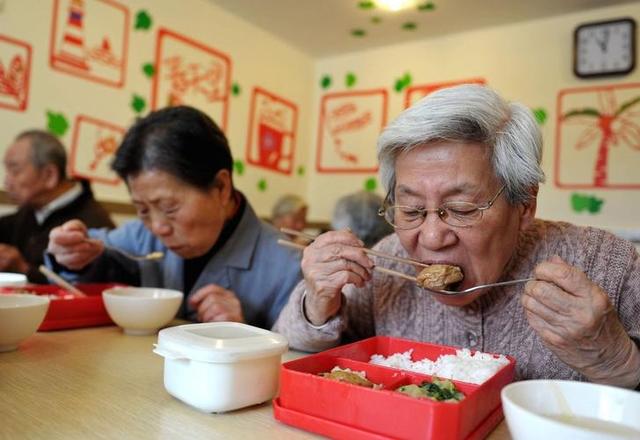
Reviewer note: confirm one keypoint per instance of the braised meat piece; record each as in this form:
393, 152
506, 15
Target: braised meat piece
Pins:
439, 276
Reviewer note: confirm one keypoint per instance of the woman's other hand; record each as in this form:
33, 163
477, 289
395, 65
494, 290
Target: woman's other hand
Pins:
576, 320
214, 303
333, 260
71, 246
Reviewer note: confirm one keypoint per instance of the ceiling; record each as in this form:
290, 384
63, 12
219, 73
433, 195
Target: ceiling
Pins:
324, 27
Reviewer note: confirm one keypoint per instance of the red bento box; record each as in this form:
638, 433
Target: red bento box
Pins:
342, 410
67, 310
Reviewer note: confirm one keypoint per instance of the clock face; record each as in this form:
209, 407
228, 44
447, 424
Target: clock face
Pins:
605, 48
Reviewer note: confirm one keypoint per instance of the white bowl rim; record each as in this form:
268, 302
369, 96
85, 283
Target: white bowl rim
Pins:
33, 300
12, 278
118, 292
540, 417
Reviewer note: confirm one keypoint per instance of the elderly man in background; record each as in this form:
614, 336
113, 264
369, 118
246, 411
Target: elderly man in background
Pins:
290, 211
462, 169
36, 179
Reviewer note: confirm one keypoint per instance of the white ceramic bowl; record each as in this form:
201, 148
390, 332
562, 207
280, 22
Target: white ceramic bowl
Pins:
221, 366
20, 317
12, 279
550, 409
141, 310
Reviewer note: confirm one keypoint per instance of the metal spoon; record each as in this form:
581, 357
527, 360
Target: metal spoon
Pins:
474, 288
150, 256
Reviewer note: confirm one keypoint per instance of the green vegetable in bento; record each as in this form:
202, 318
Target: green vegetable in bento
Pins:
441, 390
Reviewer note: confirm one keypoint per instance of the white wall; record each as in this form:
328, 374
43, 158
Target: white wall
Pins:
527, 62
258, 59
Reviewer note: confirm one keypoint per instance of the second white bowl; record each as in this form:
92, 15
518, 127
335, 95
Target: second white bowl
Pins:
141, 310
20, 317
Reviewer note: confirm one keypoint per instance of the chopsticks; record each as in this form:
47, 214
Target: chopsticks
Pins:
378, 268
60, 281
366, 250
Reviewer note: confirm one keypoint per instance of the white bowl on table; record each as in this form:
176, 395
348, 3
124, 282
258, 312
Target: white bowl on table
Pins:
141, 310
221, 366
20, 317
12, 279
550, 409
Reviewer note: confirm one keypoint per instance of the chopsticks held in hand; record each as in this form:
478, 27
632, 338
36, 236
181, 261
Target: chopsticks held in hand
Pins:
368, 251
60, 281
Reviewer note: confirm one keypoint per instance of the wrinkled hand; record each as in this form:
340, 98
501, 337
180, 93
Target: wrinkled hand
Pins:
333, 260
215, 303
11, 260
576, 320
71, 246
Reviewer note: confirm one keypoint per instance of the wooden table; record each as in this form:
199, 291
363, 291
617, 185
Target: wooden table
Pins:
100, 383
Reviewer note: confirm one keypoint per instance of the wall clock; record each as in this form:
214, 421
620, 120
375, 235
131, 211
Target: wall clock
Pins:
604, 48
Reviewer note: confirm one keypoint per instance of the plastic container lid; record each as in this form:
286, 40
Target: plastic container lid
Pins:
219, 342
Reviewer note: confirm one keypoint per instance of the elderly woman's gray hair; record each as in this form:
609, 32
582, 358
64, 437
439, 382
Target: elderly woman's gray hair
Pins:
287, 204
359, 212
470, 114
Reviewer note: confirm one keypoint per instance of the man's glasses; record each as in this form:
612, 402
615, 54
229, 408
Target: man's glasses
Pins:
459, 214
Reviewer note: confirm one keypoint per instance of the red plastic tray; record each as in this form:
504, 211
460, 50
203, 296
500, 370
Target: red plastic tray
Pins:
69, 311
342, 410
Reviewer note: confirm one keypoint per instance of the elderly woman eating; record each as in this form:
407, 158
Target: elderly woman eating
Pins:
462, 169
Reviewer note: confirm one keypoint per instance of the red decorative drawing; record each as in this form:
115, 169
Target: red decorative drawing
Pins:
348, 128
15, 67
93, 145
414, 93
89, 39
272, 132
600, 125
191, 73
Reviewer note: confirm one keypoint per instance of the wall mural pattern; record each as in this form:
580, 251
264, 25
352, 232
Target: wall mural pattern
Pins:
92, 148
89, 39
271, 138
188, 72
598, 137
347, 130
15, 67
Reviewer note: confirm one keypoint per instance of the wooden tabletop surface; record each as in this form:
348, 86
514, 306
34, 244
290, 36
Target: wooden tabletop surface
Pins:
100, 383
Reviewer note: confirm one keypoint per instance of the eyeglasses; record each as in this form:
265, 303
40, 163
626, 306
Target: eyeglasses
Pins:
459, 214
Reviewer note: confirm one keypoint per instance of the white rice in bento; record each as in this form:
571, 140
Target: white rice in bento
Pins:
464, 366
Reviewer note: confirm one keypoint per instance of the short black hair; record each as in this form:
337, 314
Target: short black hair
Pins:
181, 141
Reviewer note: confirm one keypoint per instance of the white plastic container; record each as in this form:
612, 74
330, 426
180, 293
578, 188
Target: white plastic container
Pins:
220, 366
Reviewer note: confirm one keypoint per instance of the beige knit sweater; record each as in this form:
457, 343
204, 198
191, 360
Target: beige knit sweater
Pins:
495, 322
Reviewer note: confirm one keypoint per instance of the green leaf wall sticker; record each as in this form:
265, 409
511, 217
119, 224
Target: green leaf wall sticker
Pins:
370, 184
366, 5
358, 33
301, 170
138, 103
236, 89
262, 185
409, 26
403, 82
426, 6
57, 123
350, 79
586, 203
540, 115
238, 167
143, 21
325, 81
149, 70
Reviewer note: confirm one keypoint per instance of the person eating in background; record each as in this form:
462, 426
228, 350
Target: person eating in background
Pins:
462, 169
36, 179
290, 211
357, 212
177, 165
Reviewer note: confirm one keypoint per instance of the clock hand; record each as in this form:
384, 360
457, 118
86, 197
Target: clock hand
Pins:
605, 40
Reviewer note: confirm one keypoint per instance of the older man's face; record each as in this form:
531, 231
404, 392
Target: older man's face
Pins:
430, 175
23, 182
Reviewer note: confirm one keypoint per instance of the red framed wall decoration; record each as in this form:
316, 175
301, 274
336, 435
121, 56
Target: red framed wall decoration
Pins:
90, 39
93, 145
417, 92
188, 72
348, 128
15, 71
597, 142
271, 140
